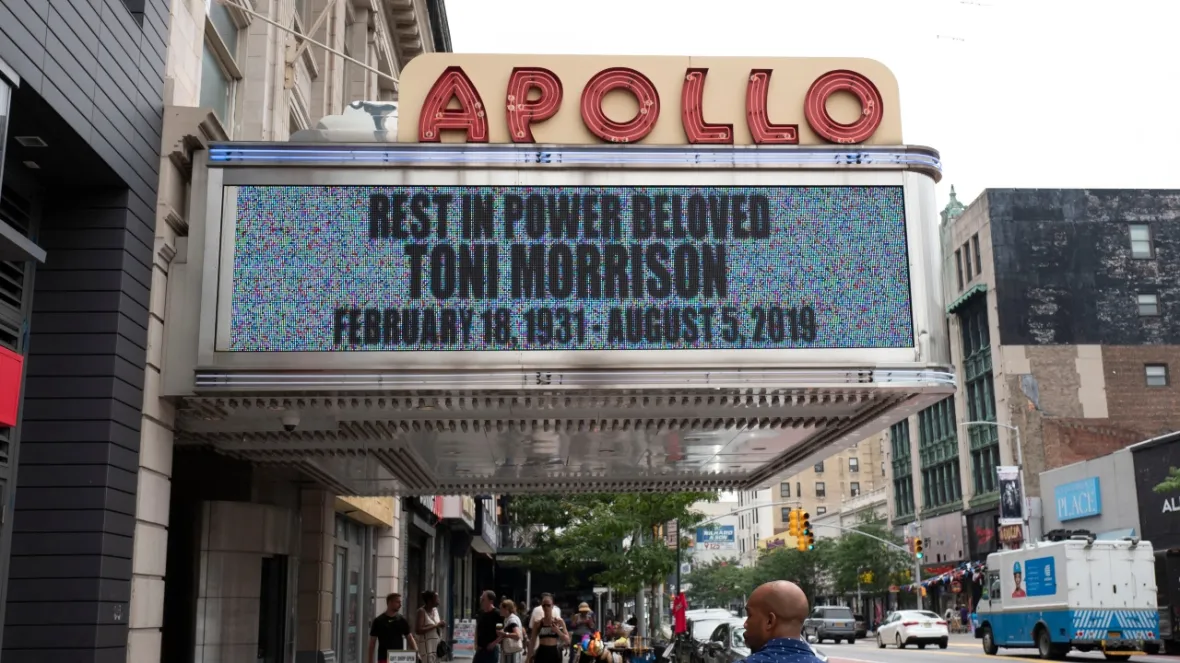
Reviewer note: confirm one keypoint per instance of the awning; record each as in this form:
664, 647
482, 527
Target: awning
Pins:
14, 246
978, 288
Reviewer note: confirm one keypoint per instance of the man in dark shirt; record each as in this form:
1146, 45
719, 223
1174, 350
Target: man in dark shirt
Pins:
487, 640
390, 630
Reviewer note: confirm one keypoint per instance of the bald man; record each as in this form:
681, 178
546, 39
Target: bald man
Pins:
774, 624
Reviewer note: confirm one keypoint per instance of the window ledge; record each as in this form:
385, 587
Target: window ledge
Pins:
942, 509
985, 499
904, 520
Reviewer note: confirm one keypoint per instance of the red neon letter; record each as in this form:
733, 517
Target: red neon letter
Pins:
469, 117
692, 112
840, 80
617, 78
522, 111
762, 130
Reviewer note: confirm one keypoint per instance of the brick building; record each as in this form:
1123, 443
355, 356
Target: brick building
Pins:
1064, 313
828, 487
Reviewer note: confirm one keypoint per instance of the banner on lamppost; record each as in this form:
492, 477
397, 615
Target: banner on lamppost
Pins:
1011, 495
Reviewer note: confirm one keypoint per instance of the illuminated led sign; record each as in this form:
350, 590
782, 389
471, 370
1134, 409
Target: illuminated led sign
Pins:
514, 268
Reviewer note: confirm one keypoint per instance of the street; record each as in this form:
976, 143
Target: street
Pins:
962, 649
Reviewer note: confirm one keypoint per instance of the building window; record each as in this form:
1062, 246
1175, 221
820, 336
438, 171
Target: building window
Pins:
903, 479
959, 267
1157, 375
1141, 241
784, 489
821, 510
1149, 304
819, 467
798, 489
219, 62
820, 490
975, 250
785, 514
883, 469
854, 488
854, 465
981, 398
938, 452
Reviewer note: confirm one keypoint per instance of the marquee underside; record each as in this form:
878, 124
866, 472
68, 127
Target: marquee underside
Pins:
542, 438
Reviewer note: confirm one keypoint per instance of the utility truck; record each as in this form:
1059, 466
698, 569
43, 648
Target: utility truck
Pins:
1076, 594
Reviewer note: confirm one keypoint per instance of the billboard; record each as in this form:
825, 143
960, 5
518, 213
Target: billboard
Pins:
321, 269
716, 537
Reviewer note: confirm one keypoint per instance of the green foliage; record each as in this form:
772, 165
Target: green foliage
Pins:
1170, 484
716, 584
857, 555
835, 565
808, 569
575, 529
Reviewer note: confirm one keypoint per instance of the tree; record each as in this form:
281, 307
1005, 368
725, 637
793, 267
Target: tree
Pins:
808, 569
718, 583
1171, 483
620, 531
855, 555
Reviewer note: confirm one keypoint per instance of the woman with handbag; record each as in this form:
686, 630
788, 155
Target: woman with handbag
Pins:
512, 635
429, 627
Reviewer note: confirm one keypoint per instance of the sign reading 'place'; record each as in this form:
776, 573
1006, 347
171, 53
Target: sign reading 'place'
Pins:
362, 268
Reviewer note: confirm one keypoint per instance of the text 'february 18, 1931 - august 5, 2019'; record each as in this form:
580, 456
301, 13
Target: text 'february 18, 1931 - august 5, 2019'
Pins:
419, 268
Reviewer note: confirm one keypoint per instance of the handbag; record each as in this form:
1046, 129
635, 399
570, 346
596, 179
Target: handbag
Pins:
511, 645
443, 651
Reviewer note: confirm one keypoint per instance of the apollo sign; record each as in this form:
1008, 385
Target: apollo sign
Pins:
722, 101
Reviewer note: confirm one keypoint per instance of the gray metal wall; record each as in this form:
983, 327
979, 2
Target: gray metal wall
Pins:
96, 67
1116, 482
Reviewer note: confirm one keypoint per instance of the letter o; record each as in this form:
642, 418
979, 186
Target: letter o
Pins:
620, 78
841, 80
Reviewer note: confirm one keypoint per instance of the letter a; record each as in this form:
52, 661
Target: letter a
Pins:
470, 117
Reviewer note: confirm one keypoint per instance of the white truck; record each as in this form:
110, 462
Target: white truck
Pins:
1077, 594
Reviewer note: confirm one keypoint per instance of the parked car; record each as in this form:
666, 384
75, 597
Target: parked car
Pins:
830, 622
913, 627
704, 630
727, 644
862, 626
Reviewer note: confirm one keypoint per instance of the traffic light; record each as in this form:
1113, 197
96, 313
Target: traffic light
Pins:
918, 547
793, 522
808, 535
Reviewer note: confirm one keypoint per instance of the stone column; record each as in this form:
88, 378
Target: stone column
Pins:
389, 560
316, 571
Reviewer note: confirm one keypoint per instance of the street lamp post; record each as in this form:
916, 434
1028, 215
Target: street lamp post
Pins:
1019, 465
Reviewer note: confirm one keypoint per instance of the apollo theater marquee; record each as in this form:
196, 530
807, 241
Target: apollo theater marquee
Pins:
575, 273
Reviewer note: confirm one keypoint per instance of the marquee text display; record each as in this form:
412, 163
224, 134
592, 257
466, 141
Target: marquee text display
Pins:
359, 268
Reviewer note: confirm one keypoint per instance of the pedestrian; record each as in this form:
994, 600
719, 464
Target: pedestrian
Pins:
487, 630
390, 630
512, 634
429, 628
774, 624
548, 633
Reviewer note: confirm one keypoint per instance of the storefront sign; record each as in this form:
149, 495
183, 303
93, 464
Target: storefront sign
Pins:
1011, 536
717, 537
1159, 513
508, 268
464, 635
1011, 495
656, 100
461, 508
1078, 499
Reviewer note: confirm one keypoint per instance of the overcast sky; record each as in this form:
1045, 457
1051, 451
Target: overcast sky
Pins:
1014, 93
